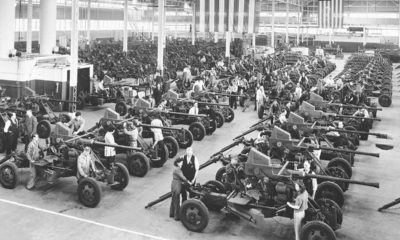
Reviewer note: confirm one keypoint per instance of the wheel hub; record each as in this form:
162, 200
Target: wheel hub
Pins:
88, 193
7, 175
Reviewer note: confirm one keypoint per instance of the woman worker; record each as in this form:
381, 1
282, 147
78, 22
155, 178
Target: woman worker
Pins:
299, 207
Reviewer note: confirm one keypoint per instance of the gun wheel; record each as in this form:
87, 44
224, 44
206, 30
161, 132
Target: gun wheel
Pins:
8, 175
331, 191
172, 145
228, 113
194, 215
198, 131
317, 230
138, 164
121, 177
185, 138
89, 192
220, 119
333, 214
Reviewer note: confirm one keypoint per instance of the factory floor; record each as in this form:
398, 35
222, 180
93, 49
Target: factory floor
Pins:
55, 213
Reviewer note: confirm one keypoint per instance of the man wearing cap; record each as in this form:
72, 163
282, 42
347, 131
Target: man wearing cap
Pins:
77, 124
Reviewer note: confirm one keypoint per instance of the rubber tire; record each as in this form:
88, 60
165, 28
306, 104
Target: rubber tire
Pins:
141, 160
97, 192
219, 119
13, 168
385, 100
312, 226
80, 103
2, 143
125, 177
172, 145
334, 188
189, 142
205, 215
163, 153
231, 114
121, 108
201, 131
212, 128
340, 162
220, 173
339, 211
260, 112
338, 172
44, 129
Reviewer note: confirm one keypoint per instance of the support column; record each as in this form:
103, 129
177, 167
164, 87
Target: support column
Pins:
227, 44
216, 37
29, 28
287, 22
399, 23
160, 49
365, 36
73, 78
152, 26
273, 25
48, 18
7, 24
125, 40
89, 8
194, 24
254, 43
298, 36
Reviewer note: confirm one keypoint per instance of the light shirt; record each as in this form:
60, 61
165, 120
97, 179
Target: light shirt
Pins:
109, 151
194, 110
83, 164
158, 136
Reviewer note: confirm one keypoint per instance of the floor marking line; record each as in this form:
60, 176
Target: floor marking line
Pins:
82, 220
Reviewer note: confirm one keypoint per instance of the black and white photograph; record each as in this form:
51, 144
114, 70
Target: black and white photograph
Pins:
199, 119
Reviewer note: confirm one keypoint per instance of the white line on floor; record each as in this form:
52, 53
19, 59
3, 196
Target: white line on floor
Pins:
82, 220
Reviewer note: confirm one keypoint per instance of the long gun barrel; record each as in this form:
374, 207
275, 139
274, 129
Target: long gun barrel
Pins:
379, 135
353, 106
214, 158
356, 117
349, 151
335, 179
261, 121
246, 132
92, 142
160, 127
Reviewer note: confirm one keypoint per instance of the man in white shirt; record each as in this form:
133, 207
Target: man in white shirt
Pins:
109, 152
297, 92
158, 135
260, 96
194, 110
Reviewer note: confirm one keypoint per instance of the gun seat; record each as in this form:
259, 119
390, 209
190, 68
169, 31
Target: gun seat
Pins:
259, 164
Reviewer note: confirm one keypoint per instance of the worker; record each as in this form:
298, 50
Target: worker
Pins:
29, 127
33, 155
311, 184
85, 164
77, 124
131, 130
109, 152
300, 206
194, 110
162, 105
260, 96
189, 164
283, 116
157, 132
297, 92
232, 89
176, 188
303, 80
12, 132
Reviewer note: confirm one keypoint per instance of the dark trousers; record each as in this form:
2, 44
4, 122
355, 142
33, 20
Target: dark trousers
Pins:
27, 140
176, 188
233, 102
110, 161
11, 142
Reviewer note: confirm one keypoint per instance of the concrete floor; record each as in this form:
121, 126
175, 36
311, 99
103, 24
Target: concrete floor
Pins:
55, 213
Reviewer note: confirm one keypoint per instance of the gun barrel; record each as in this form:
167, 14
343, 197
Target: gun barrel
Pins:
349, 151
246, 132
213, 104
336, 179
356, 117
161, 127
354, 106
261, 121
381, 135
92, 142
187, 114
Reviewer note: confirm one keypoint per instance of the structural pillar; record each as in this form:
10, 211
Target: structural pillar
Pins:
365, 36
73, 78
228, 44
160, 49
298, 36
29, 27
194, 24
254, 43
89, 8
287, 21
7, 24
152, 26
125, 40
48, 18
215, 37
273, 25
